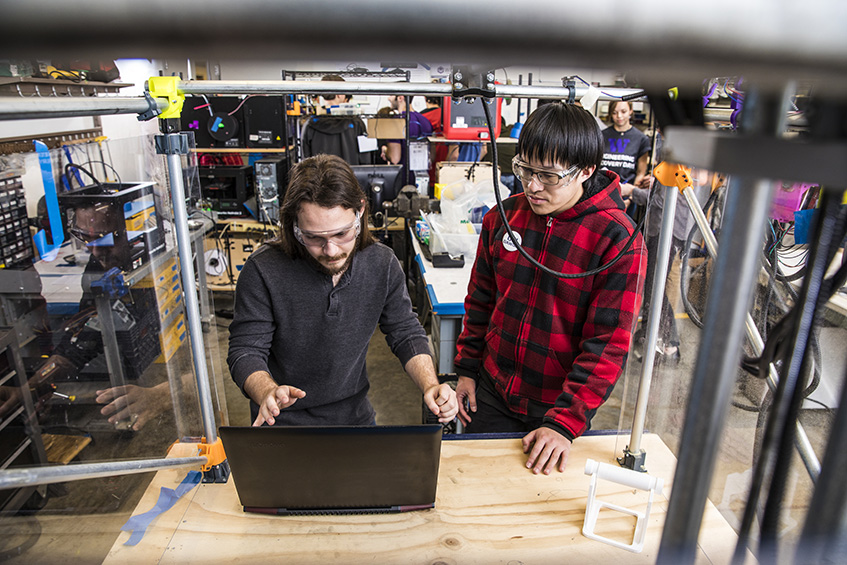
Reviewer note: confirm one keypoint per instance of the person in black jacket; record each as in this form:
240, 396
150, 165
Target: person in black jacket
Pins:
333, 134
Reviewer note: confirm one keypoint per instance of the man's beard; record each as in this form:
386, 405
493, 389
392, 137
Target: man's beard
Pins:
332, 271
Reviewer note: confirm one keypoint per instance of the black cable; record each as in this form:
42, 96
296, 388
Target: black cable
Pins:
516, 242
779, 479
32, 537
782, 421
84, 170
105, 164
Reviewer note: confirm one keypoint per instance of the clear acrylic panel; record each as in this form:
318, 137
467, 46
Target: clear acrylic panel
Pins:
687, 285
97, 363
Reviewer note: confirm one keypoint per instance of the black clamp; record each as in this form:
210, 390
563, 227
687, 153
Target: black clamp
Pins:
570, 84
472, 81
152, 108
172, 144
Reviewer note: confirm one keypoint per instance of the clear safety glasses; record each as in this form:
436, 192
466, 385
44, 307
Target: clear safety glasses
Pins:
338, 237
547, 178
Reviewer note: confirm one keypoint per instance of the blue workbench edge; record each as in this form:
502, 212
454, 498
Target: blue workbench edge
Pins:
444, 309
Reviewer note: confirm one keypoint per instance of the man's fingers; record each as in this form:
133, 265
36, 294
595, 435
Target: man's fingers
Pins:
542, 458
528, 440
563, 460
472, 400
262, 418
432, 405
553, 458
287, 395
104, 396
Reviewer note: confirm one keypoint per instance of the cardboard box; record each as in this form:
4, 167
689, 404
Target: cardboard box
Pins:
451, 171
387, 128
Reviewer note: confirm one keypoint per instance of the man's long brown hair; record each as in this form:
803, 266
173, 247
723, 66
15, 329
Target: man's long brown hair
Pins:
325, 180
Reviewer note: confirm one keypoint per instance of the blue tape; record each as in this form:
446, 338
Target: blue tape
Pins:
167, 498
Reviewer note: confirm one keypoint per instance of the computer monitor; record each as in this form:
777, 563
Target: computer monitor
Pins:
381, 183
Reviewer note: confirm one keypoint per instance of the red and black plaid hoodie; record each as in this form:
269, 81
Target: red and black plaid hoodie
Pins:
554, 347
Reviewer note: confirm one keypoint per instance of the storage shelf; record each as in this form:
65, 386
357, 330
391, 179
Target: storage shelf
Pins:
21, 448
11, 417
29, 86
5, 378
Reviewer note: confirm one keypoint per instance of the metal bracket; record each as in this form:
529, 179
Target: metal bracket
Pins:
472, 81
570, 84
634, 461
167, 87
216, 470
152, 110
172, 144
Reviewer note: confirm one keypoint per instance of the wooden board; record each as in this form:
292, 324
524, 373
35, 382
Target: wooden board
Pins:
63, 448
489, 509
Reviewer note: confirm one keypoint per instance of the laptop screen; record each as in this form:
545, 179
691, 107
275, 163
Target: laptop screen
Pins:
334, 469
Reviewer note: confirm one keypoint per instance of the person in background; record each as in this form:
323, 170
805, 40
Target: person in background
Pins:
539, 354
438, 152
307, 304
432, 112
335, 134
394, 151
651, 195
626, 149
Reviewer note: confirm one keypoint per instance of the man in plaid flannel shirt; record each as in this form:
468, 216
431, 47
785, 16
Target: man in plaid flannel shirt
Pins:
539, 353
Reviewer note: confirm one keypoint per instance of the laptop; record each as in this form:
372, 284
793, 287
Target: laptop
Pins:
334, 469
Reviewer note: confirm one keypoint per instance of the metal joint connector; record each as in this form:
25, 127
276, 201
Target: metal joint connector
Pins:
172, 144
473, 81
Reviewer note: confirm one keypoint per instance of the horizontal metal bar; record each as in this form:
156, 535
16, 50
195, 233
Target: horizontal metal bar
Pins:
398, 87
33, 476
16, 108
754, 156
311, 87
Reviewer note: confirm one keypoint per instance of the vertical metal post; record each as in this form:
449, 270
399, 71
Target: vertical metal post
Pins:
174, 149
716, 367
111, 349
633, 455
824, 537
407, 157
746, 210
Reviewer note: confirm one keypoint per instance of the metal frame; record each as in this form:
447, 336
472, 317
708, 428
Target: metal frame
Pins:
728, 297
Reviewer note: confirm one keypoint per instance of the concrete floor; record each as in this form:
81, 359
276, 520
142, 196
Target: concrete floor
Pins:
82, 519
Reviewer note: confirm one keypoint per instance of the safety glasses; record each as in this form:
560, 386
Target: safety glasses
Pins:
338, 237
94, 238
548, 178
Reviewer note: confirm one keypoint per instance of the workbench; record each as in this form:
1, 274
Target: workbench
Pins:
489, 509
445, 290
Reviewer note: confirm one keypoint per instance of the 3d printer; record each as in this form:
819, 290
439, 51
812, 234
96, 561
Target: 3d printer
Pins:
119, 223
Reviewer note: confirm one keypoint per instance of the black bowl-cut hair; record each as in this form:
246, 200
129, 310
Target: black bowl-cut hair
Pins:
563, 134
